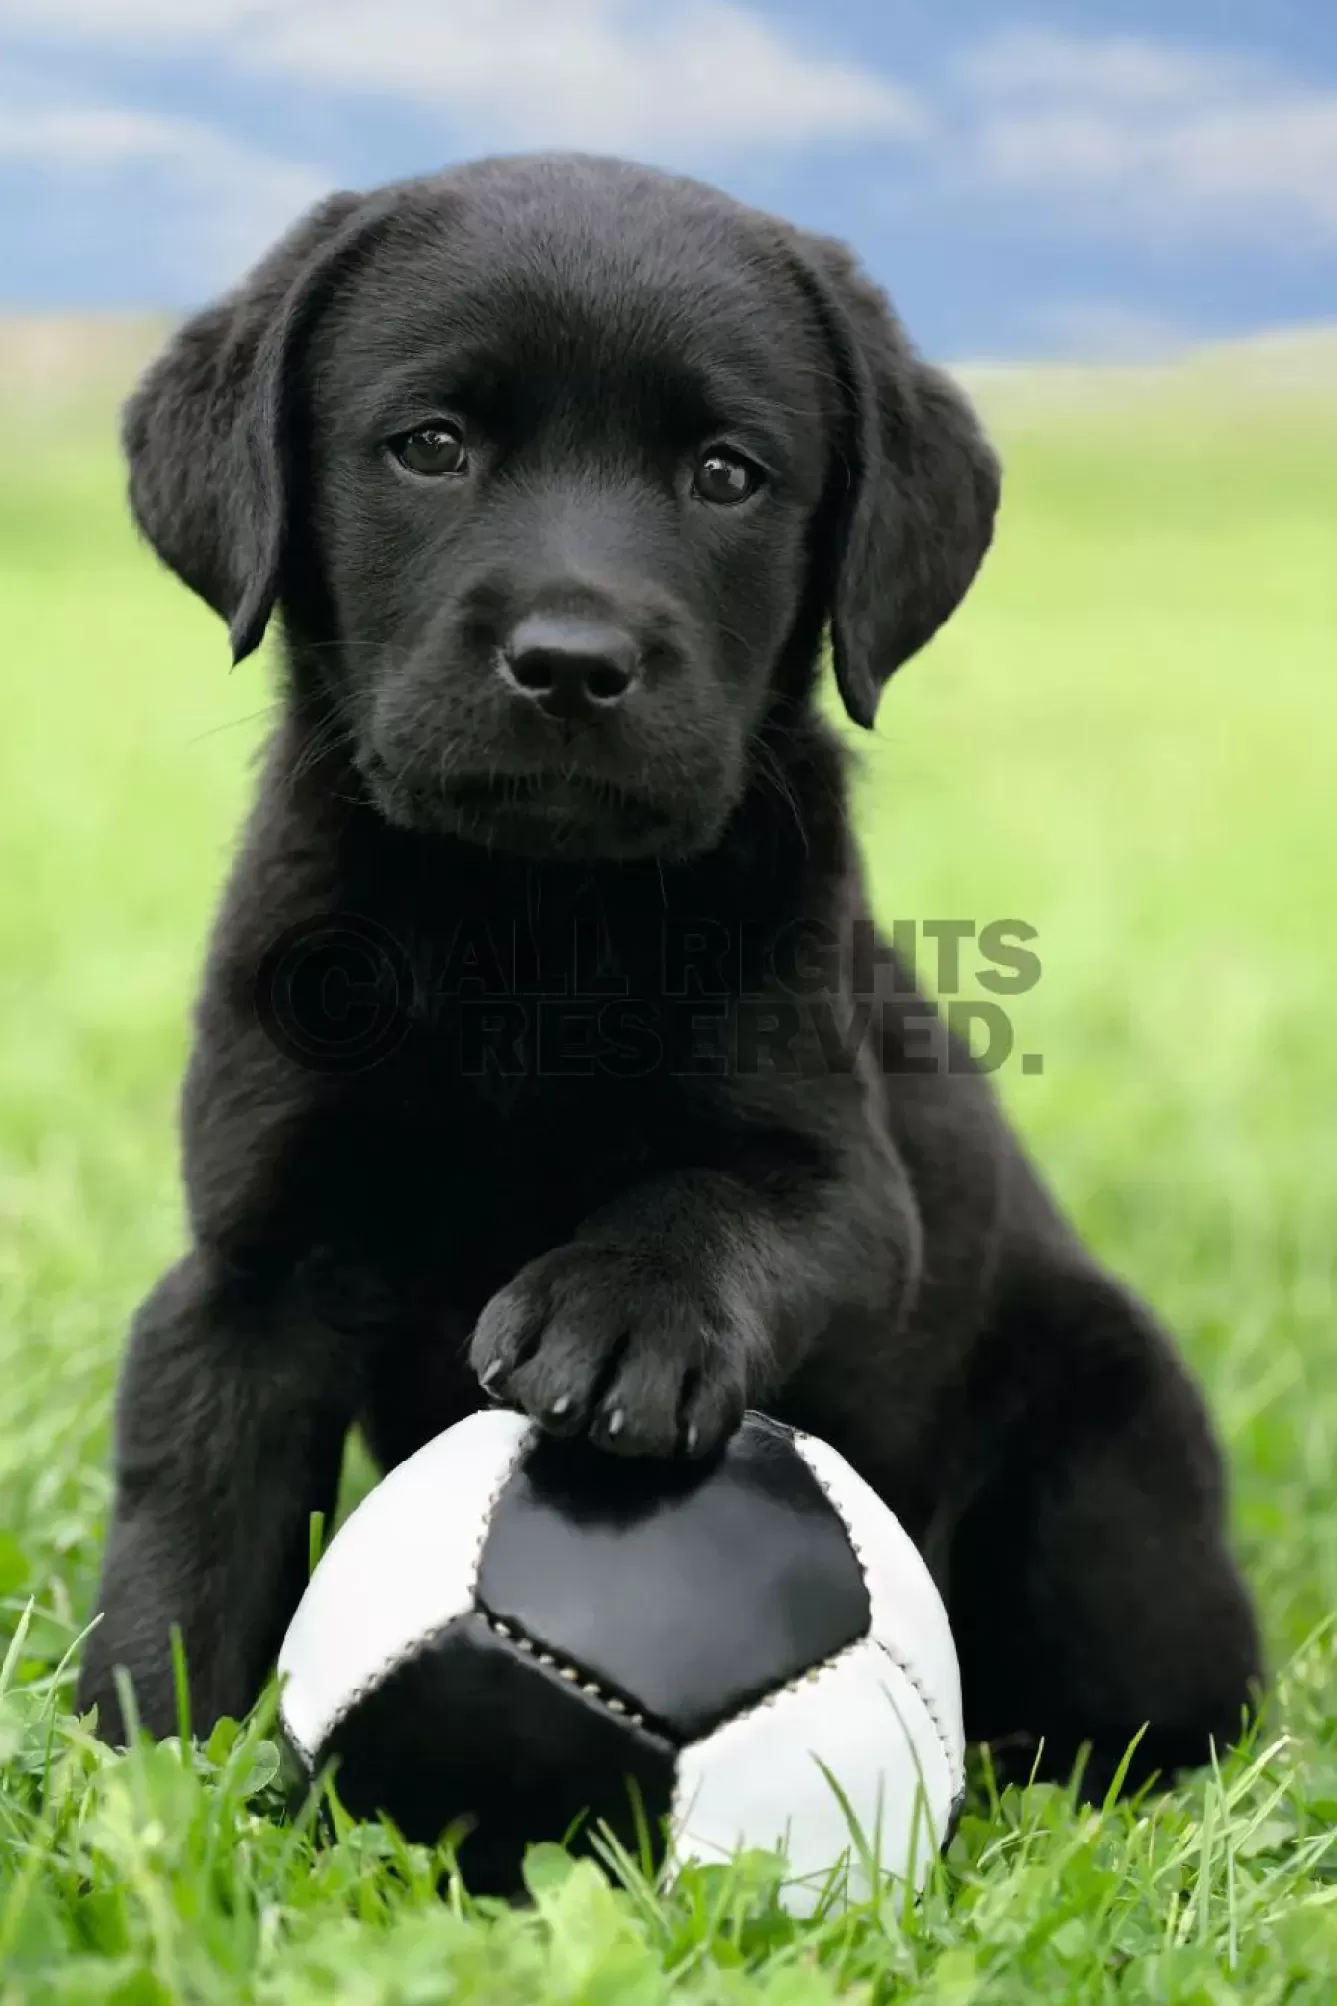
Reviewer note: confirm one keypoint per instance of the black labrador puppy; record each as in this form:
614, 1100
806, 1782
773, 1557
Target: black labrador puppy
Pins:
545, 1050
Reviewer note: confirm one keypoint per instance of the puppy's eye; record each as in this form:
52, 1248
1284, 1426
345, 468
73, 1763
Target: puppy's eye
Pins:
724, 477
432, 449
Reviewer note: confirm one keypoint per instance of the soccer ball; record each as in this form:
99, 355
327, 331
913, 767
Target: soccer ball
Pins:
528, 1639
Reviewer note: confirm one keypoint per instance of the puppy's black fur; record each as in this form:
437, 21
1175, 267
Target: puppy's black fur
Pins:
558, 470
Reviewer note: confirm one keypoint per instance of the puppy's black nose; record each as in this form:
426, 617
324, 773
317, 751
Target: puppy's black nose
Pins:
570, 667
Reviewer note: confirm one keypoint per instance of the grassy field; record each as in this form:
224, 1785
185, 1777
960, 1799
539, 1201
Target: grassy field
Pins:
1129, 740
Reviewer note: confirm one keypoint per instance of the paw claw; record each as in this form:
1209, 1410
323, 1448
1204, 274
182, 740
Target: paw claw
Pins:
589, 1339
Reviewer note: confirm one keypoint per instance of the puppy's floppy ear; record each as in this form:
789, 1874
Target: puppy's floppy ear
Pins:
204, 431
916, 500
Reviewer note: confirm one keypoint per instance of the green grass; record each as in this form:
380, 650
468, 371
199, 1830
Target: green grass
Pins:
1128, 740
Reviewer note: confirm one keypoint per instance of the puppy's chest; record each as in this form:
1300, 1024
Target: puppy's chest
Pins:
578, 1021
453, 1192
520, 1095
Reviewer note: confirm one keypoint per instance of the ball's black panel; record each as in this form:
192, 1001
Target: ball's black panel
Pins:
692, 1589
469, 1728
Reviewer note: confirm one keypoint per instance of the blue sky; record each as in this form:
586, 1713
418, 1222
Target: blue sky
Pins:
1079, 179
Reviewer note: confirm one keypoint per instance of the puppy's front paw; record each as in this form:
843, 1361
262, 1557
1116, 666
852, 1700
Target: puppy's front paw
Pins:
609, 1340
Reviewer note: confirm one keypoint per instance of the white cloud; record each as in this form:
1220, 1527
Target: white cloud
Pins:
698, 79
677, 79
1119, 136
693, 83
218, 203
1148, 136
1114, 68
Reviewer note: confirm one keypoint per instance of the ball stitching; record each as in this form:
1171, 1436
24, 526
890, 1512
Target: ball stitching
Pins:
955, 1768
391, 1665
522, 1448
955, 1765
809, 1676
812, 1676
574, 1675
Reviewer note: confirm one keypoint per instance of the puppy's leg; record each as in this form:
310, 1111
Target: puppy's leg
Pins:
417, 1385
697, 1295
229, 1429
1091, 1588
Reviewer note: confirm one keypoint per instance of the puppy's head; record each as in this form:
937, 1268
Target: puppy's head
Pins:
557, 468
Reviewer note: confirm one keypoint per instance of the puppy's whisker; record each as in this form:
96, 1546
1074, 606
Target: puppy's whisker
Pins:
327, 737
235, 723
772, 775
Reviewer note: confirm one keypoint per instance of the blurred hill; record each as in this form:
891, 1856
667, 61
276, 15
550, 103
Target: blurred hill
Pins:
1287, 365
65, 363
71, 363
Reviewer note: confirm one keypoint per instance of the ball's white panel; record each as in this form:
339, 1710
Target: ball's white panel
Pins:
404, 1563
908, 1615
760, 1781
